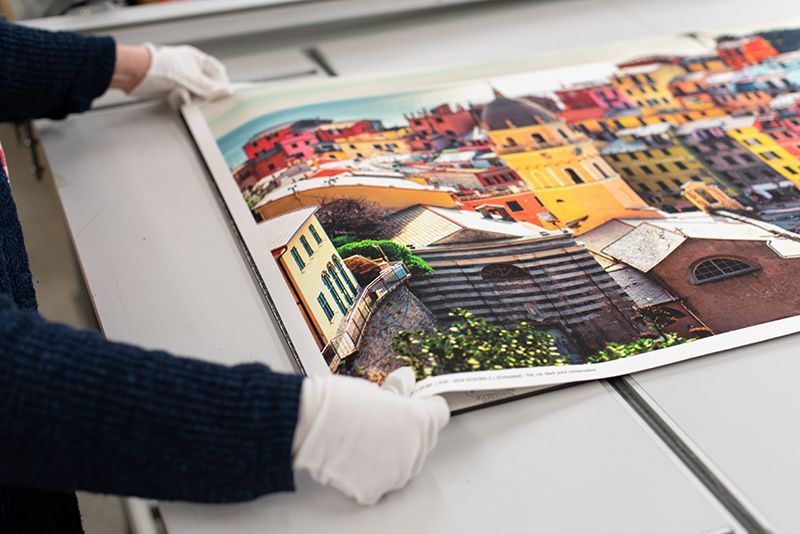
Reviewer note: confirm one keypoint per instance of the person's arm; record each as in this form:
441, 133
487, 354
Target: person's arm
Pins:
53, 74
78, 412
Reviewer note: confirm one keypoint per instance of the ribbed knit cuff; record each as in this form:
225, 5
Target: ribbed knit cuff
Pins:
276, 402
96, 71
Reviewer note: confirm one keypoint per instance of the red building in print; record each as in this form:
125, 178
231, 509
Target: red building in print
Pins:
297, 139
593, 95
521, 207
739, 53
442, 120
784, 130
266, 140
271, 161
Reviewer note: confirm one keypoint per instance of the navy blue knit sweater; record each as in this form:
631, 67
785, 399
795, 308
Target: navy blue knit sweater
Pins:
78, 412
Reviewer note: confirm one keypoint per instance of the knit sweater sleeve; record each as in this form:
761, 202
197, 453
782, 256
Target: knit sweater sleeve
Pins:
51, 74
78, 412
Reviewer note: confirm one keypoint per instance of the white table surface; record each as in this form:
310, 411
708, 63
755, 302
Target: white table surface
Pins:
164, 271
739, 410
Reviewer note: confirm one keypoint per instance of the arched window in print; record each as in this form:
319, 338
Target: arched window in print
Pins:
326, 279
503, 271
339, 267
574, 176
510, 142
716, 269
339, 284
538, 138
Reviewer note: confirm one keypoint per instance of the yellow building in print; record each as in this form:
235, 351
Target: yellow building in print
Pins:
563, 167
646, 84
370, 144
323, 287
768, 151
606, 127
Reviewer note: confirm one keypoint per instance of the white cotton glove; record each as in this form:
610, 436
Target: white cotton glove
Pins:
362, 439
182, 68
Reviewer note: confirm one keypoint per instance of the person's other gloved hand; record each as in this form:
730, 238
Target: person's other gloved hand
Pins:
362, 439
183, 67
146, 71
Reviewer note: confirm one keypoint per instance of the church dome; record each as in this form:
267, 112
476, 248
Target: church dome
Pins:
503, 112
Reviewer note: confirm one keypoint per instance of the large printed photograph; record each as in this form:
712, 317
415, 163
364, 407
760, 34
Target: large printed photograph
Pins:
578, 216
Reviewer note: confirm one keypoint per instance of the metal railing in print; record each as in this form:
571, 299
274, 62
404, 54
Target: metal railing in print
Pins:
351, 331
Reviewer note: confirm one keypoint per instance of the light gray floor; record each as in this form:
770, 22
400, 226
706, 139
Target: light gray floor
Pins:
59, 287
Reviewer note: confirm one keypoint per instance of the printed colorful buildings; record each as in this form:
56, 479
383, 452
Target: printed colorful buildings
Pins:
366, 145
737, 97
709, 63
739, 53
333, 130
657, 165
605, 128
471, 178
784, 130
645, 82
728, 158
563, 167
593, 95
442, 120
294, 138
767, 150
521, 206
691, 91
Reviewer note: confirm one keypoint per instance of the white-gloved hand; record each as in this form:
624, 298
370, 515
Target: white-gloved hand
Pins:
362, 439
182, 68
